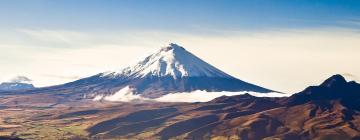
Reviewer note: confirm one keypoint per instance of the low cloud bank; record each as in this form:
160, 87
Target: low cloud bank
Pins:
127, 95
20, 79
203, 96
124, 95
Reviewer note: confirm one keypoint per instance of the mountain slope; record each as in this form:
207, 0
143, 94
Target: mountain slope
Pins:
334, 88
172, 69
327, 111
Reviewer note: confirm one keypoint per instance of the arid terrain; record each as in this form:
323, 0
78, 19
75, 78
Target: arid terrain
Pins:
64, 121
327, 111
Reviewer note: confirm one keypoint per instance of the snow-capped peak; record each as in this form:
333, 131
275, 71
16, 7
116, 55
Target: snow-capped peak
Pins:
16, 83
172, 60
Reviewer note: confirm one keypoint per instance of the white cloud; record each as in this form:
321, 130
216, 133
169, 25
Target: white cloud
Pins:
127, 95
55, 36
21, 79
203, 96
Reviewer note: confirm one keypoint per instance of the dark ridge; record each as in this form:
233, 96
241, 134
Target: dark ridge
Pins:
203, 132
334, 81
186, 126
214, 106
247, 101
139, 116
334, 88
138, 127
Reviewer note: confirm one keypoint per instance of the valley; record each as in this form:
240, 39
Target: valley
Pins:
327, 111
65, 121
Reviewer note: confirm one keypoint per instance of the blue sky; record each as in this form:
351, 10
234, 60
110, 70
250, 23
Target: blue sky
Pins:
265, 42
178, 15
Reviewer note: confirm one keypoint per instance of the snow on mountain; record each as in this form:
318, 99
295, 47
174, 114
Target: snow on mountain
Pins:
170, 70
17, 83
173, 61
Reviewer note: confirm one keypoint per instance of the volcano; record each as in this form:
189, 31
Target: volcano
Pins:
172, 69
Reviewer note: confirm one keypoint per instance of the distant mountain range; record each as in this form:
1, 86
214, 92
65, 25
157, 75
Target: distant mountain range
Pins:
17, 83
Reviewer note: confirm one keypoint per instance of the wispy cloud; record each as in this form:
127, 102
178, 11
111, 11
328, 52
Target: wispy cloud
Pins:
58, 38
350, 22
350, 77
54, 35
67, 77
127, 95
269, 58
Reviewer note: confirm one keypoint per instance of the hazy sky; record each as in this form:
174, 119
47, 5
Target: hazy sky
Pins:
282, 45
